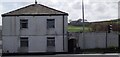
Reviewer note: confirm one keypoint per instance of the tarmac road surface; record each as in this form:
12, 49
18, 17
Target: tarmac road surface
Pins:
72, 55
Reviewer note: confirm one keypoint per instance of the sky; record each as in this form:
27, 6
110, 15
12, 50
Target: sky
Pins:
95, 10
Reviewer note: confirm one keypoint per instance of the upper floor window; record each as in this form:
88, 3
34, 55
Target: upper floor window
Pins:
23, 23
50, 23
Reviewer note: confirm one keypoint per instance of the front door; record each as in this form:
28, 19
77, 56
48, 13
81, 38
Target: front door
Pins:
50, 44
71, 45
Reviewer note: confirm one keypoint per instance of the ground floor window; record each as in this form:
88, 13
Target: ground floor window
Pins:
23, 41
50, 41
50, 44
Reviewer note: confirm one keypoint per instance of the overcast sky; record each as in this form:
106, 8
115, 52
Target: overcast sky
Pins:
95, 10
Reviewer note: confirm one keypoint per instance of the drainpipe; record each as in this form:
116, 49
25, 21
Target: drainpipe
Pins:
63, 33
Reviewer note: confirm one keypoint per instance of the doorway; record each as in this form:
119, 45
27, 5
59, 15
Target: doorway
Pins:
71, 45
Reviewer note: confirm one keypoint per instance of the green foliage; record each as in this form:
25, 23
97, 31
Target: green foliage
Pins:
102, 25
77, 29
96, 26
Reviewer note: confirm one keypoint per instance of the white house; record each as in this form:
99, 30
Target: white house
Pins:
34, 28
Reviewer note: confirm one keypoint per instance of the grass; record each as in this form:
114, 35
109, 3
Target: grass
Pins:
77, 29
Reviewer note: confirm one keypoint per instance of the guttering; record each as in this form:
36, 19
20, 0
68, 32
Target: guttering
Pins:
3, 15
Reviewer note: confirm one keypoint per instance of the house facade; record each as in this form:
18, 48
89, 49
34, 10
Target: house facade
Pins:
34, 28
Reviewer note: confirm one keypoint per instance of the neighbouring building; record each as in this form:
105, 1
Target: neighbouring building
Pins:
34, 28
79, 22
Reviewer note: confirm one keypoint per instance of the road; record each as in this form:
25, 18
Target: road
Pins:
72, 55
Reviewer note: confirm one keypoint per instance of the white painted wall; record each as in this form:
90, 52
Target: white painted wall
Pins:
113, 40
96, 40
37, 24
37, 33
36, 44
10, 43
39, 44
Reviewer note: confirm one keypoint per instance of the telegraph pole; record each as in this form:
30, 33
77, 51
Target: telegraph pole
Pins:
83, 23
35, 1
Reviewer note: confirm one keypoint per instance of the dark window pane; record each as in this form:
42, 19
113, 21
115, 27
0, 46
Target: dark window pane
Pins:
24, 23
50, 23
24, 41
51, 41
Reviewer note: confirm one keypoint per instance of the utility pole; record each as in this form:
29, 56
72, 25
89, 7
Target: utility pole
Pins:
35, 1
83, 23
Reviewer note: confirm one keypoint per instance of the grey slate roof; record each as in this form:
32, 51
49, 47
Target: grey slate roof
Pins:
35, 9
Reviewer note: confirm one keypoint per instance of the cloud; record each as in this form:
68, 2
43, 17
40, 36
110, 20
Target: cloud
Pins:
98, 10
101, 8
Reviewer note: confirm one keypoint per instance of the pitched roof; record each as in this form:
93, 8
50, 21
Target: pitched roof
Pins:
35, 9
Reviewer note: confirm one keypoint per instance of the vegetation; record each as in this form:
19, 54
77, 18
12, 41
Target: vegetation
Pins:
95, 26
103, 26
77, 29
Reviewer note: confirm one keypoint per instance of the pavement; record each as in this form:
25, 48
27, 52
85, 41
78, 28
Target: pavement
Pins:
72, 55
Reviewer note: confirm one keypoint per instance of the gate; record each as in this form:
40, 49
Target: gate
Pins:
71, 45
